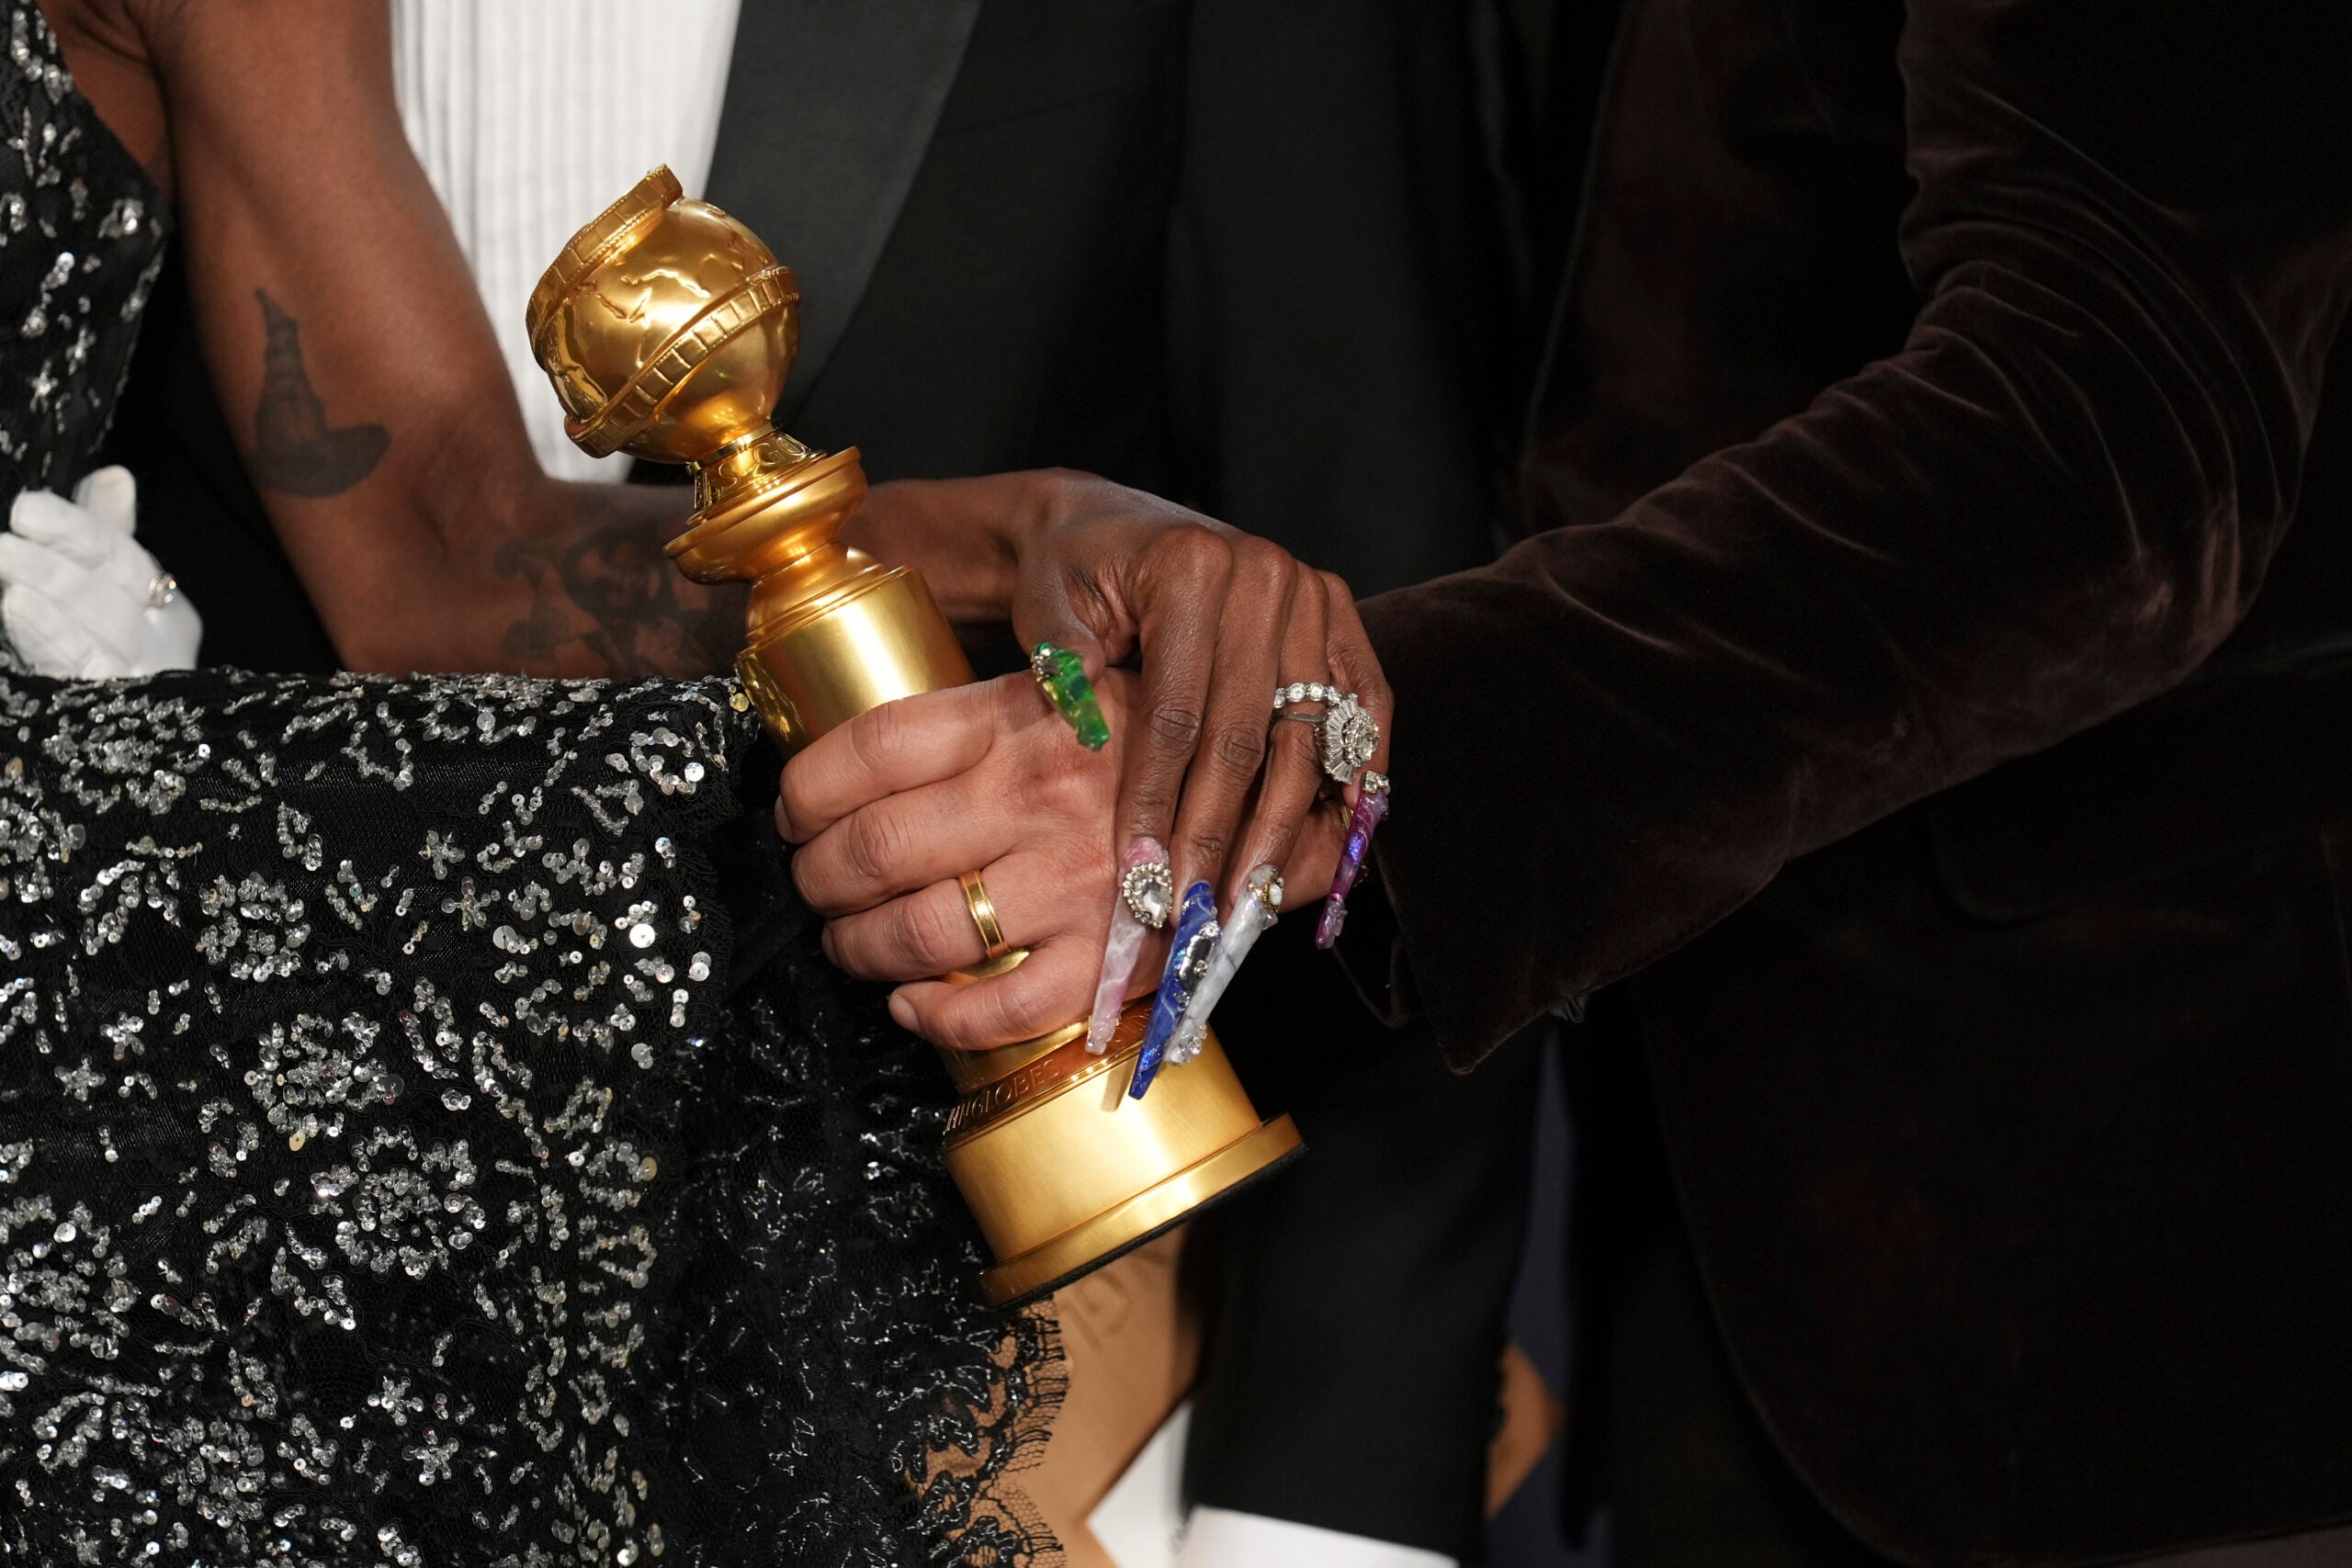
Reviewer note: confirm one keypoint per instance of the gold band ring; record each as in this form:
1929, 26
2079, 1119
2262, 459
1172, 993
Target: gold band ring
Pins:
983, 907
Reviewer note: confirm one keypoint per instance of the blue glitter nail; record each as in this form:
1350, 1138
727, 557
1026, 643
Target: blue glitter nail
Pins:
1188, 960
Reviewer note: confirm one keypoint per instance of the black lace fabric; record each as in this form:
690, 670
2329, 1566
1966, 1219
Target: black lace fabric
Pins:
395, 1169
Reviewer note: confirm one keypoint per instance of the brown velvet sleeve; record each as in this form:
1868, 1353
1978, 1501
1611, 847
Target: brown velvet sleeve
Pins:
2130, 242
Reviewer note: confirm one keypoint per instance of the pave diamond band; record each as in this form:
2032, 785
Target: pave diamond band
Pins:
1309, 691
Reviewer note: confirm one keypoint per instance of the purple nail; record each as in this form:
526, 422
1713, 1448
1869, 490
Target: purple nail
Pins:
1372, 806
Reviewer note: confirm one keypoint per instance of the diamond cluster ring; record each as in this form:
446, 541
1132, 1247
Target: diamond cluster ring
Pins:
1350, 734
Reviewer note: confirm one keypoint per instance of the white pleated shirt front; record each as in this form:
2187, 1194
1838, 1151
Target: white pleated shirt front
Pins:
530, 117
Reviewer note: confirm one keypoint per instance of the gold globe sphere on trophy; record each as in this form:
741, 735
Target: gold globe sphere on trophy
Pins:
668, 330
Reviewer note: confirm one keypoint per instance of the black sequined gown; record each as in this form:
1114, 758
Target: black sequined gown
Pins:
426, 1137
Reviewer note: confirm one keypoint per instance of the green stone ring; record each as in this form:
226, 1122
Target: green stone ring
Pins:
1063, 677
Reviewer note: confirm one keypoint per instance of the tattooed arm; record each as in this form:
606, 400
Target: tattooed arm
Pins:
356, 362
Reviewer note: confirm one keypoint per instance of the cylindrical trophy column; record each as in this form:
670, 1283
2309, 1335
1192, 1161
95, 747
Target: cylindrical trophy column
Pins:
877, 639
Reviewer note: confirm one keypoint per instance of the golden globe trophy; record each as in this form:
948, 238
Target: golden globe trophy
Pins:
668, 330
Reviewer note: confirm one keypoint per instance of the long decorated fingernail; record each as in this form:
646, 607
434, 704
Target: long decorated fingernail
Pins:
1145, 891
1063, 676
1372, 807
1188, 957
1262, 901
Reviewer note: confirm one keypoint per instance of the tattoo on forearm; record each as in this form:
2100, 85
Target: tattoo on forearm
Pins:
295, 450
607, 587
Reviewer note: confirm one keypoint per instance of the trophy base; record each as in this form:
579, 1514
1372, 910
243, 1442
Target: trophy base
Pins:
1064, 1171
1106, 1237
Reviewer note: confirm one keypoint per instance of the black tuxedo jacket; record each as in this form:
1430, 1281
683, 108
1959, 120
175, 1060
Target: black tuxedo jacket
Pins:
1946, 392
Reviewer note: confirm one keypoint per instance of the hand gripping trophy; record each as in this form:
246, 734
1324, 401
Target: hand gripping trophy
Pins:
668, 330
